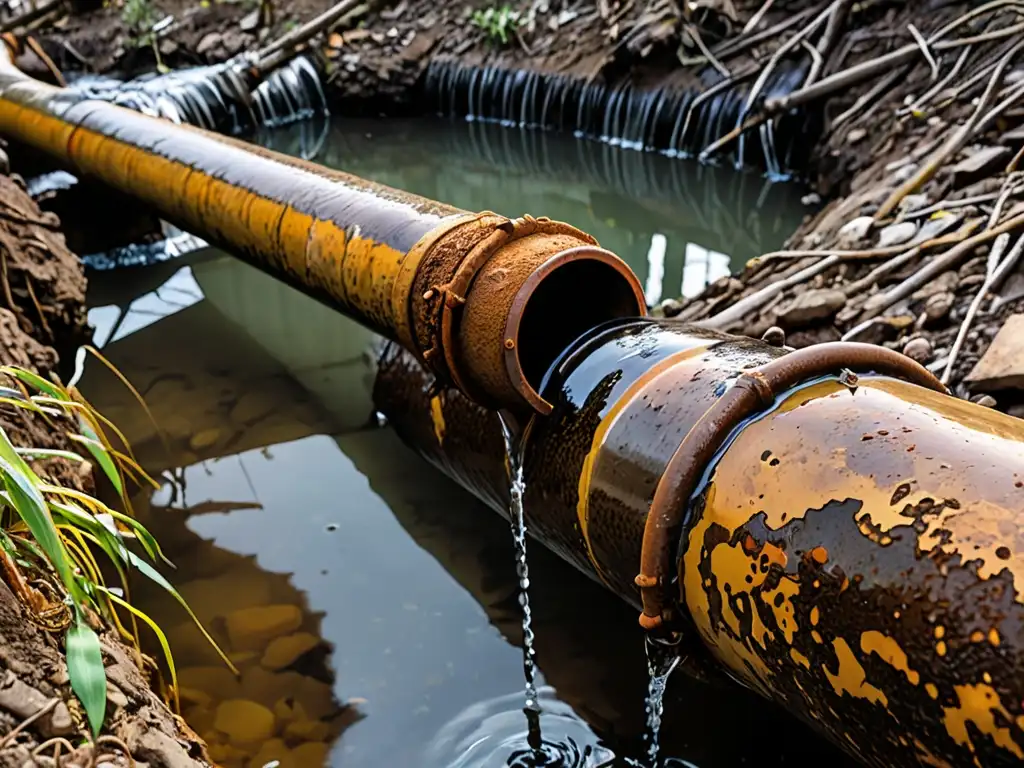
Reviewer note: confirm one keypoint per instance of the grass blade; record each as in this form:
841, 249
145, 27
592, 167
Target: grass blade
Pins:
160, 636
85, 668
31, 507
100, 453
36, 381
154, 575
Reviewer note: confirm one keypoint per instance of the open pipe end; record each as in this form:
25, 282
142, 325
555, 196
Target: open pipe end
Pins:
569, 294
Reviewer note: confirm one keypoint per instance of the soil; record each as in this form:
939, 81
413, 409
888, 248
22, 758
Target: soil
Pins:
43, 288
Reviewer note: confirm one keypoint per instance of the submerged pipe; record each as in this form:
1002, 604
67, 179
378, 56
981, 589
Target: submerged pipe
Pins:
828, 526
849, 546
485, 301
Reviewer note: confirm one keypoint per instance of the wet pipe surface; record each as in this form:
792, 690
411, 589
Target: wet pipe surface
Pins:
755, 592
853, 554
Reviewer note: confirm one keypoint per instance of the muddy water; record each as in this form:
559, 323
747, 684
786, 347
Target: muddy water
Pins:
372, 606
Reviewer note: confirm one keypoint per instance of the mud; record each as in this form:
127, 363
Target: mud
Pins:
42, 290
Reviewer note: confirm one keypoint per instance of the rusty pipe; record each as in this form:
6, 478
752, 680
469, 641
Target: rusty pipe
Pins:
852, 549
484, 301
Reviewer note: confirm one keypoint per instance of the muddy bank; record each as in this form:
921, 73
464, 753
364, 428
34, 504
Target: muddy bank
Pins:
42, 285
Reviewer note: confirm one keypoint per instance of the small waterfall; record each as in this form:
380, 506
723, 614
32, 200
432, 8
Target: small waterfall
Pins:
219, 98
668, 117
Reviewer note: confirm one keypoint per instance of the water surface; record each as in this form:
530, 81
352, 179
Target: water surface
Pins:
371, 604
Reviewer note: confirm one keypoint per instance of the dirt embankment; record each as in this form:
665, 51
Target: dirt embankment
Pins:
42, 308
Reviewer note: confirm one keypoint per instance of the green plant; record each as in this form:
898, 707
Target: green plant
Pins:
140, 16
50, 536
497, 23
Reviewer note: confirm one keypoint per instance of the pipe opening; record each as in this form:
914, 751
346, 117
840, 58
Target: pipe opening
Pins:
577, 291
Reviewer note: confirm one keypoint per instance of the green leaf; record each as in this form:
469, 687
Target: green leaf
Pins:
154, 575
48, 453
85, 668
36, 381
100, 453
30, 505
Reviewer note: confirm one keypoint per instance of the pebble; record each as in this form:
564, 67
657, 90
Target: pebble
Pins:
244, 721
670, 307
897, 234
857, 134
250, 629
818, 304
918, 350
283, 651
904, 173
944, 283
774, 337
1002, 365
938, 306
985, 401
854, 232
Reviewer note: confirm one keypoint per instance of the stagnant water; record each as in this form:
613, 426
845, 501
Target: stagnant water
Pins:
373, 606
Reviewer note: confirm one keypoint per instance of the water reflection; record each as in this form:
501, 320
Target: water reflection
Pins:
678, 224
370, 603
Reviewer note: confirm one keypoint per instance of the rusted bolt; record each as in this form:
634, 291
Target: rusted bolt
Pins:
509, 344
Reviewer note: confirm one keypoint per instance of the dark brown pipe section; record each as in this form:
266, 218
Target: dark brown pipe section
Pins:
479, 298
852, 546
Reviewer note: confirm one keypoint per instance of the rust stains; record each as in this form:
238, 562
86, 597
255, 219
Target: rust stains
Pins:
850, 677
890, 652
980, 705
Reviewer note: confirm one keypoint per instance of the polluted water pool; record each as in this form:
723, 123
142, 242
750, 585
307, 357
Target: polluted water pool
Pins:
372, 606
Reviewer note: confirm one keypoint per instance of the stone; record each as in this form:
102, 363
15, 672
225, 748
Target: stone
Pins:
1002, 365
854, 232
283, 651
275, 749
934, 227
670, 307
268, 687
812, 198
308, 730
774, 337
985, 401
218, 682
897, 234
806, 307
912, 203
856, 135
250, 629
250, 22
115, 697
311, 753
944, 283
244, 721
938, 306
918, 350
978, 164
208, 42
215, 597
904, 173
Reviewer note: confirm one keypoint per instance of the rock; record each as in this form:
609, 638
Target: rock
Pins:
116, 697
934, 227
670, 307
912, 203
819, 335
213, 598
816, 304
218, 682
918, 350
283, 651
250, 22
1002, 365
774, 337
311, 753
938, 306
5, 163
978, 164
308, 730
897, 234
244, 721
904, 173
234, 42
209, 42
857, 134
250, 629
268, 687
944, 283
985, 401
854, 232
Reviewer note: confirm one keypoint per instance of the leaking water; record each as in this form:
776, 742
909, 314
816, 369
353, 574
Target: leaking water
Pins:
662, 659
398, 634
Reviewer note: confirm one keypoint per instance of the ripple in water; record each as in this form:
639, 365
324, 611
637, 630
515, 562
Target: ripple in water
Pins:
495, 733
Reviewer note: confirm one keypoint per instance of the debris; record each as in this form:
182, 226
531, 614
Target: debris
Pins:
854, 232
918, 349
1002, 365
897, 234
979, 163
813, 305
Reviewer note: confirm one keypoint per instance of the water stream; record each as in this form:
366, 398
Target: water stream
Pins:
373, 606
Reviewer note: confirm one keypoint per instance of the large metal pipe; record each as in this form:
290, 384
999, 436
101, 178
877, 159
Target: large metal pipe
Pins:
848, 547
485, 301
853, 547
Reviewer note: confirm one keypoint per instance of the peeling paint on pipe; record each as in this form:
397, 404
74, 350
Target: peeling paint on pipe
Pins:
854, 551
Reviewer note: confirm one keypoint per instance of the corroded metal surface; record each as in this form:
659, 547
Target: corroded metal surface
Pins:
462, 290
854, 553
